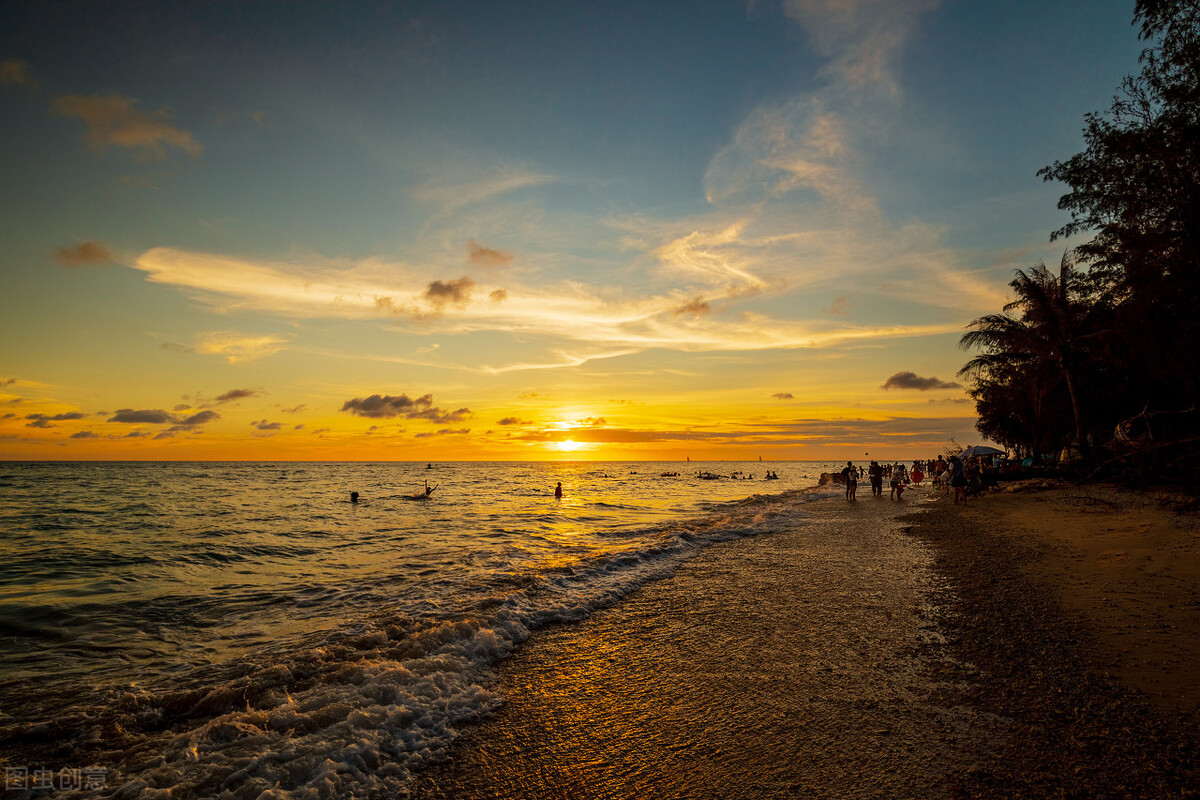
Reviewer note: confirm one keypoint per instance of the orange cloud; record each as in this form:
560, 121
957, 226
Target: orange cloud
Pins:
486, 256
114, 120
82, 254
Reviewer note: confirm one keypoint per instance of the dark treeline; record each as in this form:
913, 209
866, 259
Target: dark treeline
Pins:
1102, 356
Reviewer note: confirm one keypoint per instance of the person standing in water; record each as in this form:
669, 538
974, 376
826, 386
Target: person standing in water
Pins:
558, 491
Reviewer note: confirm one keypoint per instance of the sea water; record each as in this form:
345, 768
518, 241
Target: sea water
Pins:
200, 628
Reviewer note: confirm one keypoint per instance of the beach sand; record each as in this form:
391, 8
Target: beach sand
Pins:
1036, 643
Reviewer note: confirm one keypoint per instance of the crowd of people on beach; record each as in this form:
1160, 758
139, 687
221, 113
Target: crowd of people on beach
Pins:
956, 476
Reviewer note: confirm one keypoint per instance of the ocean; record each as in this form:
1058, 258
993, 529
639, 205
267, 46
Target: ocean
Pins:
199, 628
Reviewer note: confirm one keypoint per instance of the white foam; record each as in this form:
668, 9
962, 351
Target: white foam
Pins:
360, 714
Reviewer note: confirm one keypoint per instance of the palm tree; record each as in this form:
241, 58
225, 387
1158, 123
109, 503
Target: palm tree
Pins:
1051, 331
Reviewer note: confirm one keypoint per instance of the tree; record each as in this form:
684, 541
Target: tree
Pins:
1048, 338
1136, 186
1137, 182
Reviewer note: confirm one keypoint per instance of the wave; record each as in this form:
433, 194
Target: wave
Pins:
356, 712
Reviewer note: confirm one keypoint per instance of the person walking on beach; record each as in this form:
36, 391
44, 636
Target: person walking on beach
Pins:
851, 475
875, 473
958, 479
898, 480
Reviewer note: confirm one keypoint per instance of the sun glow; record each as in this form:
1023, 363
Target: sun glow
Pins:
569, 446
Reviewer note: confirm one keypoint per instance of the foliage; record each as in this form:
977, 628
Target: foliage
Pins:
1029, 354
1116, 332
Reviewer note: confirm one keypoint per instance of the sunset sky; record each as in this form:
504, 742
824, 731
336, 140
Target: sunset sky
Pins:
445, 230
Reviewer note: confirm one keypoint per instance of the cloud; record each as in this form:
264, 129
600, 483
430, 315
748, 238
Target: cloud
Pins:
513, 421
15, 72
390, 406
498, 295
910, 380
716, 264
236, 394
482, 256
442, 432
264, 425
862, 38
238, 348
115, 121
453, 192
697, 307
84, 435
199, 419
783, 396
458, 292
841, 306
44, 420
82, 254
160, 417
931, 431
150, 416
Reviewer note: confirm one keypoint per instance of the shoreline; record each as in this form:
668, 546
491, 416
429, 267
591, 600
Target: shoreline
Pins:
805, 647
718, 681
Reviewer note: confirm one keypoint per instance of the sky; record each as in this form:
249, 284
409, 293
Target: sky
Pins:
715, 229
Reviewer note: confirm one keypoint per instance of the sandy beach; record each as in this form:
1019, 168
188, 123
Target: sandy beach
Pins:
1039, 642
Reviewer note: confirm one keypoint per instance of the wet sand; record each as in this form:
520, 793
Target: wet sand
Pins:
801, 664
1005, 649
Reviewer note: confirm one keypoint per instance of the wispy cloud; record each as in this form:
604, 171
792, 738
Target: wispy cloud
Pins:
861, 38
612, 322
452, 191
115, 121
234, 347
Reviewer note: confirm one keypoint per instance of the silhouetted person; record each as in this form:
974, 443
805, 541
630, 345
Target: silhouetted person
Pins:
958, 479
851, 475
558, 491
875, 473
354, 497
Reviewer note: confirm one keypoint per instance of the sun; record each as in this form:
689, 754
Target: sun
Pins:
569, 446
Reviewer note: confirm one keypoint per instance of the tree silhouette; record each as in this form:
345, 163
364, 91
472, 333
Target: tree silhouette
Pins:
1047, 340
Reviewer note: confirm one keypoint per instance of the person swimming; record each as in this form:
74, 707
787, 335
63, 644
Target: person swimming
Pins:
354, 497
558, 491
